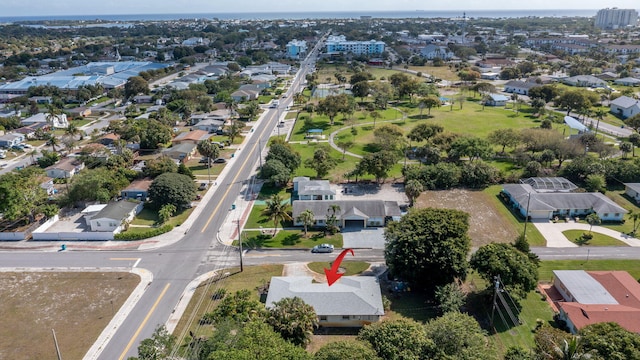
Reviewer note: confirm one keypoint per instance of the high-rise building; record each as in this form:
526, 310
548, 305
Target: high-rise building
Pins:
616, 18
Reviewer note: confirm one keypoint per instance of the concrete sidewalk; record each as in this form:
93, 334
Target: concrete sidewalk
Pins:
555, 238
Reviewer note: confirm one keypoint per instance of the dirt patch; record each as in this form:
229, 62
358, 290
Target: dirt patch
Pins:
486, 225
77, 305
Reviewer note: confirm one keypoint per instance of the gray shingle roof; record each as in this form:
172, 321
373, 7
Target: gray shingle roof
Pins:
370, 208
557, 201
633, 186
351, 295
315, 187
624, 102
116, 210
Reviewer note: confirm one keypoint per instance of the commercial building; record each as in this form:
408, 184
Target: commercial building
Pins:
616, 18
339, 44
296, 48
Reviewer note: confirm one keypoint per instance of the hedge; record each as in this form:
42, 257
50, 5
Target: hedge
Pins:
144, 235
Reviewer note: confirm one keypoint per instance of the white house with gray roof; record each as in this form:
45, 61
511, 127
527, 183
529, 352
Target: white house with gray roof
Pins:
307, 189
547, 205
633, 191
111, 217
625, 107
585, 81
519, 87
353, 301
361, 213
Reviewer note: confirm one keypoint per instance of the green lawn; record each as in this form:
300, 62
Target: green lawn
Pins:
631, 266
597, 240
290, 239
148, 217
251, 278
351, 267
533, 235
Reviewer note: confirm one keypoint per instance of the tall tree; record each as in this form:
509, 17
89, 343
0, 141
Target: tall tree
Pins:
459, 336
172, 188
344, 349
277, 211
293, 319
321, 161
517, 271
504, 137
413, 188
428, 247
209, 150
398, 339
135, 85
22, 197
307, 218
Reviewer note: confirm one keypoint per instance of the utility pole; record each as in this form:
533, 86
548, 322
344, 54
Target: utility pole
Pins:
55, 341
495, 295
240, 244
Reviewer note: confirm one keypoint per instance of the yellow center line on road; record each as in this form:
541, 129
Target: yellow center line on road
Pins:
144, 322
213, 213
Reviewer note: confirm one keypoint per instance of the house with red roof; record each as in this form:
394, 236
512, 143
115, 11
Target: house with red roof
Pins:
598, 296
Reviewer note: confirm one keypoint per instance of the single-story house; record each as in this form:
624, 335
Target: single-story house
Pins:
109, 139
143, 99
30, 131
628, 81
138, 189
111, 217
490, 75
307, 189
432, 51
547, 205
625, 107
519, 87
591, 297
41, 99
549, 184
353, 301
47, 185
65, 168
585, 81
9, 112
607, 75
180, 152
633, 191
246, 93
11, 139
59, 121
361, 213
495, 62
210, 125
496, 100
191, 137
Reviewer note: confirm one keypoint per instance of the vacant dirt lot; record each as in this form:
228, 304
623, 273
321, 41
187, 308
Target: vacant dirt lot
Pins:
77, 305
485, 222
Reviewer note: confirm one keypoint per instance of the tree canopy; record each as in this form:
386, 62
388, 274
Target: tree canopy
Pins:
172, 188
21, 195
428, 247
293, 319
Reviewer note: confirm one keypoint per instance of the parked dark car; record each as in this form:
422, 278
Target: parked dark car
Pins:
203, 186
220, 161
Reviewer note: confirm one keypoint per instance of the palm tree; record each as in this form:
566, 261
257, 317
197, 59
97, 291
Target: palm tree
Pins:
600, 114
593, 219
570, 350
332, 218
412, 189
53, 142
72, 130
307, 218
276, 211
211, 151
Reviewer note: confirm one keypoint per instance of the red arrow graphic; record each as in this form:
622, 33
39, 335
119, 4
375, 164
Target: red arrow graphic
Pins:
332, 275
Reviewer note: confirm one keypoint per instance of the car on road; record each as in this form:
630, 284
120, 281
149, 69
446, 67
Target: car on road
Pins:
322, 248
203, 186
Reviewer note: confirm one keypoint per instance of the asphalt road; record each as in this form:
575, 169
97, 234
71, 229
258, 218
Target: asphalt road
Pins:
174, 266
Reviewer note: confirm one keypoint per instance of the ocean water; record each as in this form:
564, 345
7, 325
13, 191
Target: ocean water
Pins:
314, 15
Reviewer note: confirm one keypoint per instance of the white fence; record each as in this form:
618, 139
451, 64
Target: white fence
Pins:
71, 236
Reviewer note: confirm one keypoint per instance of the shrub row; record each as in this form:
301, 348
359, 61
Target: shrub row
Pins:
144, 235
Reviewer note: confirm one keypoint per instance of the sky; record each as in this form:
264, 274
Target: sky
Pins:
116, 7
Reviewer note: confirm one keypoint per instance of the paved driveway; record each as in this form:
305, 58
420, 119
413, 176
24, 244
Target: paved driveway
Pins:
555, 238
359, 238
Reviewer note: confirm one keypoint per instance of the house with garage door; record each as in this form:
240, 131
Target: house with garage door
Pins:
353, 213
547, 203
353, 301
